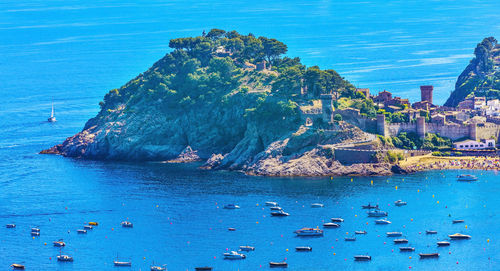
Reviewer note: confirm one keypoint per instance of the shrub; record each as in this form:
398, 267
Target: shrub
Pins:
337, 117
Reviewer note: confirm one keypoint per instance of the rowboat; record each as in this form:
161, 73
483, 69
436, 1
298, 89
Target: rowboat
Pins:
278, 264
429, 255
362, 258
459, 236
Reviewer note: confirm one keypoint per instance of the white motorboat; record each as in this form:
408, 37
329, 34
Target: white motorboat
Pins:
309, 232
247, 248
64, 258
337, 219
376, 213
271, 203
466, 178
233, 255
394, 234
400, 203
459, 236
127, 224
231, 206
317, 205
331, 225
382, 221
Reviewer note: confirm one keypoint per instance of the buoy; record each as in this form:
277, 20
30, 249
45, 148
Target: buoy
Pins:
396, 187
409, 258
466, 226
411, 219
143, 258
432, 195
351, 180
256, 222
355, 215
334, 253
437, 202
488, 240
287, 249
44, 244
418, 190
371, 182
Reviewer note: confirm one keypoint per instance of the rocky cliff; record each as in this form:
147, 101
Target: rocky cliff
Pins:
482, 76
206, 100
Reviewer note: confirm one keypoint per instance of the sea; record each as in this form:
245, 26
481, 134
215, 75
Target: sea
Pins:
69, 53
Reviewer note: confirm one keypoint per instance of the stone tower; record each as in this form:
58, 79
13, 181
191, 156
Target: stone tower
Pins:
327, 107
426, 93
381, 125
421, 126
473, 131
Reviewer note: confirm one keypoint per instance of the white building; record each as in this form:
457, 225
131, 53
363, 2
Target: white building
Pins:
492, 108
474, 145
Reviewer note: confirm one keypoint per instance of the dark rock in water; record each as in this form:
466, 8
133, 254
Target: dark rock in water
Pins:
399, 170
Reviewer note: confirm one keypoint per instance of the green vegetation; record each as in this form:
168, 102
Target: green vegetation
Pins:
411, 141
482, 76
394, 157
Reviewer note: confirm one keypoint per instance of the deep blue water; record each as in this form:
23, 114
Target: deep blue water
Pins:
73, 52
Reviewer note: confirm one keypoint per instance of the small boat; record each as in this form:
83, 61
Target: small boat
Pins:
231, 206
360, 232
458, 221
278, 264
52, 117
317, 205
362, 258
276, 208
271, 203
443, 243
400, 241
394, 234
204, 268
428, 255
382, 221
406, 249
118, 263
350, 239
59, 243
87, 227
369, 206
466, 178
157, 268
93, 223
376, 213
337, 219
35, 233
233, 255
399, 203
127, 224
231, 229
17, 266
331, 225
64, 258
459, 236
303, 249
280, 213
80, 231
309, 232
10, 226
431, 232
247, 248
35, 230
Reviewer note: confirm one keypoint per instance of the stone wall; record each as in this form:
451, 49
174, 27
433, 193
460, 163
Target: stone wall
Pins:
353, 117
355, 156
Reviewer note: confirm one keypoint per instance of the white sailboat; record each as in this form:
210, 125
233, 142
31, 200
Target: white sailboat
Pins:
52, 117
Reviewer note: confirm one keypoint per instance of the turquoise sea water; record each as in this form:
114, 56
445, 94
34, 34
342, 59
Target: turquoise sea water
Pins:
73, 52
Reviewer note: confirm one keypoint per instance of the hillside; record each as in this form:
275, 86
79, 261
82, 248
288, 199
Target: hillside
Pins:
482, 76
212, 99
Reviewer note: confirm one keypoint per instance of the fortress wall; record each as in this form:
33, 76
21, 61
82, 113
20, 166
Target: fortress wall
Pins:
353, 156
353, 117
453, 132
487, 131
395, 129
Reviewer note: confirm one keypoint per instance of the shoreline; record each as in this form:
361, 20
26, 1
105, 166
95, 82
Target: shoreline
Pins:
429, 162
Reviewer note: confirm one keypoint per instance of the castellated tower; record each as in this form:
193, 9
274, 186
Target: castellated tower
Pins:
421, 126
426, 93
327, 107
381, 126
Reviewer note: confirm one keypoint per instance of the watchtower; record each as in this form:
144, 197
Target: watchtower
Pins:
327, 107
426, 93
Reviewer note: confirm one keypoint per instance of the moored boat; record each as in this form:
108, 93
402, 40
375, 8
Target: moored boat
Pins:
369, 206
350, 239
203, 268
360, 232
119, 263
331, 225
10, 226
428, 255
271, 203
337, 219
303, 249
35, 233
87, 227
362, 258
400, 203
376, 213
276, 208
394, 234
127, 224
443, 243
59, 243
466, 178
309, 232
247, 248
52, 117
80, 231
64, 258
233, 255
157, 268
93, 223
406, 249
382, 221
459, 236
400, 241
17, 266
231, 206
317, 205
35, 230
280, 213
278, 264
431, 232
456, 221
